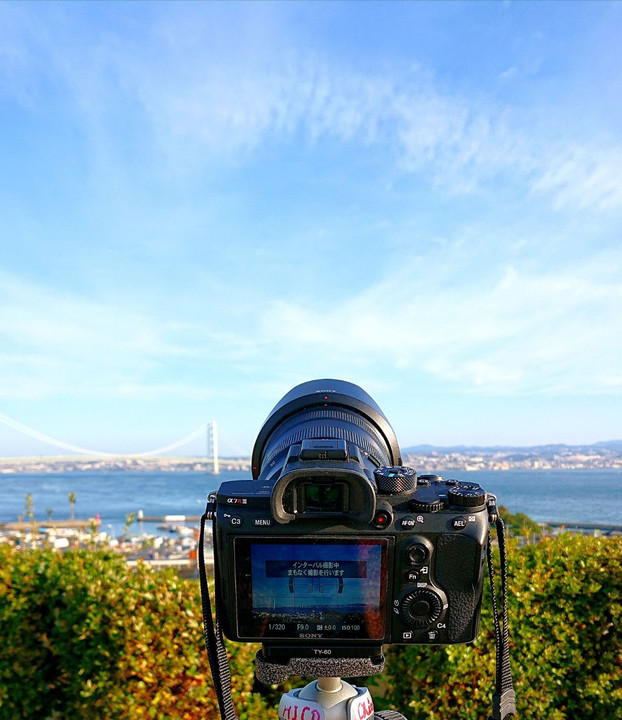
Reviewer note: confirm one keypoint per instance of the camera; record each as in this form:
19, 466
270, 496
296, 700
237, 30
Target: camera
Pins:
335, 548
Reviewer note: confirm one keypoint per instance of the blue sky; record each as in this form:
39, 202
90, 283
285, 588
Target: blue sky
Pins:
204, 204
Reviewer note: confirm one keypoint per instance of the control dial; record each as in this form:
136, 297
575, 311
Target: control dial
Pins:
395, 479
466, 494
420, 608
426, 505
431, 479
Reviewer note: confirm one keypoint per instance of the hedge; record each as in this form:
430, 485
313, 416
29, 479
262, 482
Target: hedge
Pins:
83, 637
565, 613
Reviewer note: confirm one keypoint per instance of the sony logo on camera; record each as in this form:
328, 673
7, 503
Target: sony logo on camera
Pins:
335, 548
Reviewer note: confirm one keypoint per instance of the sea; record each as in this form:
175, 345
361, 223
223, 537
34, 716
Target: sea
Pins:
567, 496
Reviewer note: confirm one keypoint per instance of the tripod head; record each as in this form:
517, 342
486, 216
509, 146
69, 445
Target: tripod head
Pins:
330, 698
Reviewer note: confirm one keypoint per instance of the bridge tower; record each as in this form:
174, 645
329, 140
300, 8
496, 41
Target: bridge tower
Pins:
212, 446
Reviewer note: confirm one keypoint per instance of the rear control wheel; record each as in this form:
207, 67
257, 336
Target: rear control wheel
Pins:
421, 608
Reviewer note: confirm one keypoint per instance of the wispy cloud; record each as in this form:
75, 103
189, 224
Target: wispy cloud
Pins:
463, 143
505, 330
582, 176
209, 176
67, 344
553, 332
204, 101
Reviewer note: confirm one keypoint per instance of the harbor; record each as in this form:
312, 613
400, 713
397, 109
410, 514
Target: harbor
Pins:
173, 544
584, 528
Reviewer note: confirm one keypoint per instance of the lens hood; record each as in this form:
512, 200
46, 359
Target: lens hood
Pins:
326, 393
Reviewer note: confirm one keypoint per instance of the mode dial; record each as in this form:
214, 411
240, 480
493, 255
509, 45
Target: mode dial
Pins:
466, 494
421, 608
395, 479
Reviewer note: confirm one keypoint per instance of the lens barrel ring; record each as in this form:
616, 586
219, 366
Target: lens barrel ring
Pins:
342, 414
295, 430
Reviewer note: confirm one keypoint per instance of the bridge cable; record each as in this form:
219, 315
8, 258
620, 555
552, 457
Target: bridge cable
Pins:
24, 429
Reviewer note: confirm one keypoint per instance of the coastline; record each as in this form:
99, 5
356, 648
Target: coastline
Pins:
121, 463
437, 460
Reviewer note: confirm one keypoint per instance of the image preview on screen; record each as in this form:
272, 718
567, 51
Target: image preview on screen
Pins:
334, 587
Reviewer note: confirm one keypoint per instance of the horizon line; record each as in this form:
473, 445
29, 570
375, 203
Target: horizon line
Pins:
231, 458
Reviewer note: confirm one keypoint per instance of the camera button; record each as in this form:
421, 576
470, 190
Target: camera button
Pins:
420, 608
236, 520
407, 522
458, 523
417, 554
382, 519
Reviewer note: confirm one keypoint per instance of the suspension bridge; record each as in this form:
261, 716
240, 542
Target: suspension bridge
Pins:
208, 430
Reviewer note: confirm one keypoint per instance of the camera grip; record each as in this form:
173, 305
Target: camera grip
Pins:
458, 570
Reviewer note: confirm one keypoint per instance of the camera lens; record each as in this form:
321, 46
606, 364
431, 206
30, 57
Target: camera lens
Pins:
325, 410
318, 450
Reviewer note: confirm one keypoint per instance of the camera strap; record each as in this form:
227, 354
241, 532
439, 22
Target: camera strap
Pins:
216, 651
504, 698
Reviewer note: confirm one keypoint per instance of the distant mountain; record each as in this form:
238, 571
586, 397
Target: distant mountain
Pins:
613, 445
604, 447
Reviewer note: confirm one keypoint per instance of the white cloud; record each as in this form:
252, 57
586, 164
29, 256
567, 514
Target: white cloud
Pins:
583, 177
558, 331
208, 99
515, 330
67, 344
461, 141
505, 330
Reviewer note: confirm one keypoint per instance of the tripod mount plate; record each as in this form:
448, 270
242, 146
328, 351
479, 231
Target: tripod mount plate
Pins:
271, 673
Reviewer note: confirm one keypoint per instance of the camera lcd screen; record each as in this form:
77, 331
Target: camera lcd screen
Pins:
331, 588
